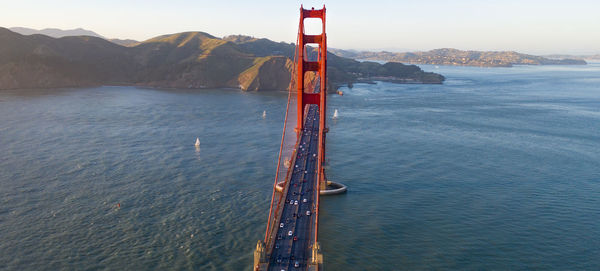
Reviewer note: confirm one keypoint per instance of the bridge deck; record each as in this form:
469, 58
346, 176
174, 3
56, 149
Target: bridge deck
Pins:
293, 241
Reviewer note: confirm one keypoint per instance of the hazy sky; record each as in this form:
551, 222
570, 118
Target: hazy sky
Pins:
530, 26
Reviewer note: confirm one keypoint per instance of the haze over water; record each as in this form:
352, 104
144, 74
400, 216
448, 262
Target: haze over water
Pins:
498, 168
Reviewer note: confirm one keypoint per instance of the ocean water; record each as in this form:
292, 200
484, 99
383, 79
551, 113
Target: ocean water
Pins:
498, 168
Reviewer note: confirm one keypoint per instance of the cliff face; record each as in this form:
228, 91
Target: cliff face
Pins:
183, 60
448, 56
268, 73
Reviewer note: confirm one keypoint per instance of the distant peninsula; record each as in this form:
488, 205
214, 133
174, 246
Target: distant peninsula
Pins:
595, 57
454, 57
181, 60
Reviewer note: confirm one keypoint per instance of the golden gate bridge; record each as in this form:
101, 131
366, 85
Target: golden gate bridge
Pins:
291, 237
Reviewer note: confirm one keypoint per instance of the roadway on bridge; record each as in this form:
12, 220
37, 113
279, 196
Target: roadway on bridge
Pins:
293, 241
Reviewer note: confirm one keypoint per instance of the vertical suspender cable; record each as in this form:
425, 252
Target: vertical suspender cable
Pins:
281, 148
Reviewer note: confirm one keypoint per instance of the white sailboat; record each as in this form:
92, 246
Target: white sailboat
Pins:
335, 114
197, 142
264, 114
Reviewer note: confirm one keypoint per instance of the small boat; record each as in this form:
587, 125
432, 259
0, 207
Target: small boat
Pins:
197, 142
264, 114
341, 93
335, 114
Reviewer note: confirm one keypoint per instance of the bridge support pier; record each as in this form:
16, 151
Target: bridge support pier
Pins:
333, 188
316, 260
260, 256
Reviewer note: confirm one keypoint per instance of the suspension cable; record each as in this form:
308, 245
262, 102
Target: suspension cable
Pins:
290, 87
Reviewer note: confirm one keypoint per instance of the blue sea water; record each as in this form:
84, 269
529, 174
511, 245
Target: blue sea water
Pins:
496, 169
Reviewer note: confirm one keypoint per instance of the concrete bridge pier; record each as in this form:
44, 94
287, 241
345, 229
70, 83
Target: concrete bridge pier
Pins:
316, 260
333, 188
260, 256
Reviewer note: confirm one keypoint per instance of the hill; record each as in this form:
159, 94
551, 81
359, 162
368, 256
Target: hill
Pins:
39, 61
449, 56
342, 70
59, 33
182, 60
125, 42
55, 32
583, 57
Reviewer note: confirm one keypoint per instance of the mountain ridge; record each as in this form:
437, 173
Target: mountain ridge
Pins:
60, 33
55, 32
180, 60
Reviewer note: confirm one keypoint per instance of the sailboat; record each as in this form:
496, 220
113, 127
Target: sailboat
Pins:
335, 114
264, 114
197, 142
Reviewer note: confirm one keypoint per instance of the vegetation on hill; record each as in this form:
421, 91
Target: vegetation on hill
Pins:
182, 60
448, 56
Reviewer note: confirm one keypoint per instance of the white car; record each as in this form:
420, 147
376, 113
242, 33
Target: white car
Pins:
290, 233
281, 225
295, 202
307, 212
304, 200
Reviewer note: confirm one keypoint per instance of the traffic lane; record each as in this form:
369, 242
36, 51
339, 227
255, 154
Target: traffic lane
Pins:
286, 248
300, 225
305, 235
300, 247
289, 224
